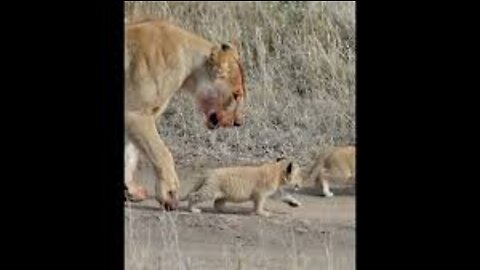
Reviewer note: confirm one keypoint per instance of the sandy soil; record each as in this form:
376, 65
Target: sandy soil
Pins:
318, 235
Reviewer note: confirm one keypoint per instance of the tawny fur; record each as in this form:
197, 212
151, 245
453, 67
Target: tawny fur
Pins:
161, 59
337, 163
244, 183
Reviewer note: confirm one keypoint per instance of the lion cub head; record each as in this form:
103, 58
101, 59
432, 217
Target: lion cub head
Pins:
223, 103
291, 174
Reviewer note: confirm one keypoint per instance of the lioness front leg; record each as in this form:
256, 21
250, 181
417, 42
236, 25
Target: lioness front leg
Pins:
259, 203
143, 132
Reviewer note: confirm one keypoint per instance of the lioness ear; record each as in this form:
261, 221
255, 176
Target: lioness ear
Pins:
290, 168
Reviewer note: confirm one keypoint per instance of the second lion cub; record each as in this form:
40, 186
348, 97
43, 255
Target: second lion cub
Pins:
337, 163
244, 183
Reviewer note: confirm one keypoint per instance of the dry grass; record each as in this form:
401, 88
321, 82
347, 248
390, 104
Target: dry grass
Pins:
300, 66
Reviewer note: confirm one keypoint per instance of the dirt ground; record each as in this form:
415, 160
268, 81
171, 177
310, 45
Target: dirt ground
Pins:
320, 234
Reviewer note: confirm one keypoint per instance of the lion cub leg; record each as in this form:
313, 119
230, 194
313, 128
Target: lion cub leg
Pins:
202, 195
287, 198
259, 202
326, 189
322, 183
219, 205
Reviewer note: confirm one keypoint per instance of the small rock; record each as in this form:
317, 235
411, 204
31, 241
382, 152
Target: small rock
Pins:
305, 222
301, 230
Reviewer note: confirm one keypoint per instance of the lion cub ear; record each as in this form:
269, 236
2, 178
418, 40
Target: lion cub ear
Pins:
226, 47
289, 168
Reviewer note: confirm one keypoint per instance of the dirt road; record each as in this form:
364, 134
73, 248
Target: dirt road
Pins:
318, 235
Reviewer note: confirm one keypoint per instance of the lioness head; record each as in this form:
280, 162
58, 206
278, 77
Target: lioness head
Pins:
223, 103
291, 176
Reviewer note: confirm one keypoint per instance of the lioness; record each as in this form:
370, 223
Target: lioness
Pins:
337, 163
160, 59
244, 183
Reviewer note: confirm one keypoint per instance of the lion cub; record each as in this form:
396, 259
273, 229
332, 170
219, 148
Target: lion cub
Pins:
338, 162
244, 183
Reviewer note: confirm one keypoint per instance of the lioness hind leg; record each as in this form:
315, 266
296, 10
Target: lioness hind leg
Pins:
135, 192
